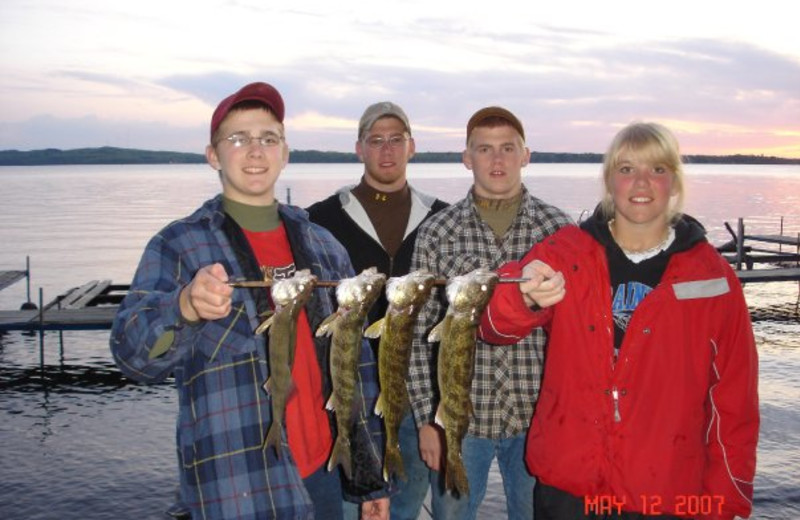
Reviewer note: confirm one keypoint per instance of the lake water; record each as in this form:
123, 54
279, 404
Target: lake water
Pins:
79, 441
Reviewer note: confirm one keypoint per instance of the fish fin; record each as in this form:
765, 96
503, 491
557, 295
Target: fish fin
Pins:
379, 405
267, 386
375, 330
273, 438
393, 464
439, 417
436, 332
326, 327
341, 456
266, 314
329, 405
264, 325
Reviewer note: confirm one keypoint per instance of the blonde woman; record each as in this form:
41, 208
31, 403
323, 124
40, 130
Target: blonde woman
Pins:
649, 403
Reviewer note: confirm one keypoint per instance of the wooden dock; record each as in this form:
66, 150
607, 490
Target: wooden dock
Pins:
92, 306
747, 253
11, 277
8, 278
777, 274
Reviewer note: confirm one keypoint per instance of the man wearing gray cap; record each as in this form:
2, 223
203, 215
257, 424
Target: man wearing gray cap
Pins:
376, 221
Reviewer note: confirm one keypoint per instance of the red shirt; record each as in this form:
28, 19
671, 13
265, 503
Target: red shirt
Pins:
307, 424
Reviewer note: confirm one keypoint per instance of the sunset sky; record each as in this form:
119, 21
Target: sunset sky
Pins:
725, 76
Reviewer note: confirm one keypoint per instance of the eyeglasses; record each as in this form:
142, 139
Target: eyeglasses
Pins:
376, 142
269, 140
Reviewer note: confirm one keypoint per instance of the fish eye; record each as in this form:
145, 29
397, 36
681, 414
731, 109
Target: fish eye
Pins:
484, 288
420, 287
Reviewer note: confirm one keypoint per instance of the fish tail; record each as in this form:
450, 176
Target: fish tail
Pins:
393, 463
273, 438
341, 455
376, 329
455, 475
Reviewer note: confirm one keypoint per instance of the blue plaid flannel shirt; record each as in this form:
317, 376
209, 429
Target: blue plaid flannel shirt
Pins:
219, 367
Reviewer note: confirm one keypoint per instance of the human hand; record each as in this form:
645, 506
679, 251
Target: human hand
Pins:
430, 446
207, 296
545, 286
377, 509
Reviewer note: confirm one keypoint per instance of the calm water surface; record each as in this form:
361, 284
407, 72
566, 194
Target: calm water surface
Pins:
80, 442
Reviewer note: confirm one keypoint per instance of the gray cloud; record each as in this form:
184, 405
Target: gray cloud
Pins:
571, 99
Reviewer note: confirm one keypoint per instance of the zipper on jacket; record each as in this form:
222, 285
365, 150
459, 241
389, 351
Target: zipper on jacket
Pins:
615, 397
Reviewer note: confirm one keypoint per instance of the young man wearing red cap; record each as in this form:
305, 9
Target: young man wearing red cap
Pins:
496, 222
181, 317
377, 221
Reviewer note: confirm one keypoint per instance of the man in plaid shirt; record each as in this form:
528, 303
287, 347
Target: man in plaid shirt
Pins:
496, 222
182, 317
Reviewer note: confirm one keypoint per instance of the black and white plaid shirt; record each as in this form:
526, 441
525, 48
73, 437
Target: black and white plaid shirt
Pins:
506, 382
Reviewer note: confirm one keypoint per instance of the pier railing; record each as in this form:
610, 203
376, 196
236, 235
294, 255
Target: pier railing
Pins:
770, 254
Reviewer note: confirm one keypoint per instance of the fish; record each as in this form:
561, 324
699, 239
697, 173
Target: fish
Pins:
467, 296
354, 296
289, 296
406, 296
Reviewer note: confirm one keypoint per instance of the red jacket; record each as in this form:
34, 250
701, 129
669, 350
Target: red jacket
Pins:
669, 428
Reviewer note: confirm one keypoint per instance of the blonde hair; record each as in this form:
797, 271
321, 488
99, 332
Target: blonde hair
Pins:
654, 143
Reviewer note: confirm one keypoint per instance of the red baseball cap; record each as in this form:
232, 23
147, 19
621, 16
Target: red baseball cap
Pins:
258, 91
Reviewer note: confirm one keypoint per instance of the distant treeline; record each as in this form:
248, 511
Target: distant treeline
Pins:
104, 155
111, 155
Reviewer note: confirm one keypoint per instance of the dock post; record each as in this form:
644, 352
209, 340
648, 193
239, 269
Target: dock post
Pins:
739, 243
60, 341
288, 195
41, 330
28, 277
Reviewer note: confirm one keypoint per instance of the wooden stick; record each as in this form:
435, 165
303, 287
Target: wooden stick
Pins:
334, 283
268, 283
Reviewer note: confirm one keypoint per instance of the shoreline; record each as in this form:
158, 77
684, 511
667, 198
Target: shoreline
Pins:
108, 155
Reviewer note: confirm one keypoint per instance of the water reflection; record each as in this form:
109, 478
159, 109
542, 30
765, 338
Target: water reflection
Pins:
82, 442
63, 378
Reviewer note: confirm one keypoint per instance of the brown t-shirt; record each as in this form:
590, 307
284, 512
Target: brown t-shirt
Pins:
388, 212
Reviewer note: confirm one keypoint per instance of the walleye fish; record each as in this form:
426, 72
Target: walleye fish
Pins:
406, 295
289, 296
355, 296
467, 295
